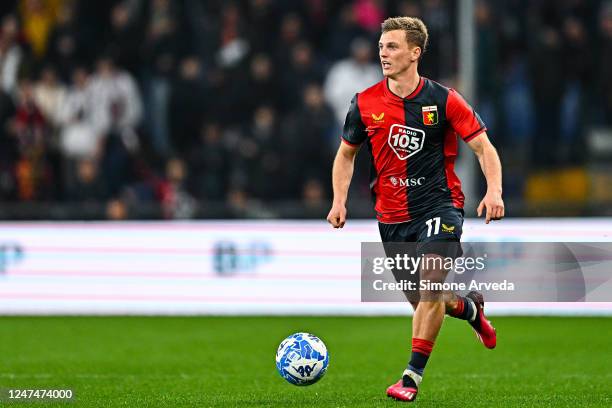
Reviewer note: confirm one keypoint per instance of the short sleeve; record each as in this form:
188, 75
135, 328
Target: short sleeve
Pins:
464, 121
354, 132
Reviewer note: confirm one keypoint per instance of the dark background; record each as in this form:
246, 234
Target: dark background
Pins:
217, 109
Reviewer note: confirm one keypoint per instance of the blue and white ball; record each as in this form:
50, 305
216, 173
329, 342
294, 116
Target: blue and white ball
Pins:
302, 359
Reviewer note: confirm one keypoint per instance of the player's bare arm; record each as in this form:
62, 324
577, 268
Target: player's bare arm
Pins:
342, 173
492, 203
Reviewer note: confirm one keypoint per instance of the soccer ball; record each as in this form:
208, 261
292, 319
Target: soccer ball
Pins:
302, 359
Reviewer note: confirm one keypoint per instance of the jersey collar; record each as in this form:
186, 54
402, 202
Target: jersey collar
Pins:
389, 93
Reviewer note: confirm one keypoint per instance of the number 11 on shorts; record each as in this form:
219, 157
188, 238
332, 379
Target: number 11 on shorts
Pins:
436, 226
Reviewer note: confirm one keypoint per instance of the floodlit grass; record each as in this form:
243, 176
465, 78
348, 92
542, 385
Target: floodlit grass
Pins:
229, 361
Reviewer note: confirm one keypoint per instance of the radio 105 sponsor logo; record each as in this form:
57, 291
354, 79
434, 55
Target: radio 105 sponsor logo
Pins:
405, 141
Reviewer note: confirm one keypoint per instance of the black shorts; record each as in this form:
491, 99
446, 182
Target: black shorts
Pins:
438, 232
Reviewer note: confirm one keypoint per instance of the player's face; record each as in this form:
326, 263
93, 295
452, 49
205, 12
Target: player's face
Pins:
396, 55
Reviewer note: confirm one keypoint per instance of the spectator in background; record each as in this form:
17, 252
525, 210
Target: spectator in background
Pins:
9, 152
486, 61
161, 48
117, 105
308, 137
260, 154
116, 160
116, 113
176, 201
188, 103
440, 62
369, 14
346, 77
117, 210
313, 198
345, 30
241, 205
78, 137
29, 124
233, 46
29, 127
223, 96
317, 16
11, 55
578, 72
303, 69
50, 95
38, 18
291, 32
124, 37
547, 75
263, 18
10, 61
89, 186
408, 8
263, 87
210, 164
63, 51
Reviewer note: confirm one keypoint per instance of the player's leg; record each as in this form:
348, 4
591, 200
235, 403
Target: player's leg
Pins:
438, 235
427, 319
394, 238
447, 224
426, 323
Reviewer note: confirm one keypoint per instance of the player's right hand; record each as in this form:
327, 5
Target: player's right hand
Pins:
337, 216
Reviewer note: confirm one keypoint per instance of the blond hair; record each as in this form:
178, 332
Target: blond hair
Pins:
415, 29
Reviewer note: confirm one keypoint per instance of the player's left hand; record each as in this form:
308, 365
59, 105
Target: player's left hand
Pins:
493, 205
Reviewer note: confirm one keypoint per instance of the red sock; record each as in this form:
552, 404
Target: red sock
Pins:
421, 349
458, 310
464, 310
422, 346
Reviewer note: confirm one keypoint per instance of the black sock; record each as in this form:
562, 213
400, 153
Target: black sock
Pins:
421, 349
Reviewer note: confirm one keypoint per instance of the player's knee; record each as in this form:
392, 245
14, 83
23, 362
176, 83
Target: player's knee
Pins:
433, 276
433, 273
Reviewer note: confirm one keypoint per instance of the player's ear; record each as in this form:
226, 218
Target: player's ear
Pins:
416, 53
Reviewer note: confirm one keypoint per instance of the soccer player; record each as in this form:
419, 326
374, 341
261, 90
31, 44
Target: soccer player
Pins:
411, 126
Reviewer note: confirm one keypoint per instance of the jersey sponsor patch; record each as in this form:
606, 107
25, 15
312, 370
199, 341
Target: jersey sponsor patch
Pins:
406, 141
430, 115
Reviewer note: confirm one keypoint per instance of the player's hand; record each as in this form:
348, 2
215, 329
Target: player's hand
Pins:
337, 215
493, 205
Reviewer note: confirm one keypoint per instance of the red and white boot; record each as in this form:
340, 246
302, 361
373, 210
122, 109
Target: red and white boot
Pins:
485, 331
407, 394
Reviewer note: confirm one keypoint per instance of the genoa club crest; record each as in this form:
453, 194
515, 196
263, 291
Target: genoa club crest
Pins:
430, 115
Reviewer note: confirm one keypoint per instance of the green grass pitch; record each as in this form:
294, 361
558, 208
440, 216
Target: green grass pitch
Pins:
229, 361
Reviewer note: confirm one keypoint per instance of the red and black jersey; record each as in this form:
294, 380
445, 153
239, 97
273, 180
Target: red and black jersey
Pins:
413, 143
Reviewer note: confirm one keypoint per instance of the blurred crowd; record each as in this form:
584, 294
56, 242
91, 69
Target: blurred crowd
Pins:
204, 108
